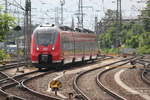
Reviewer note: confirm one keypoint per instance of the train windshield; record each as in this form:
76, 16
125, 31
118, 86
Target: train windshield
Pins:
46, 38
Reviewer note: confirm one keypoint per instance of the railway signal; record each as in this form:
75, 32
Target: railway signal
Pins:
70, 96
17, 28
55, 85
133, 62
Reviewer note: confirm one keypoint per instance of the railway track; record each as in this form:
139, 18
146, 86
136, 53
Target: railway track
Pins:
14, 82
11, 85
19, 90
5, 82
107, 90
15, 60
3, 75
10, 66
124, 96
145, 74
146, 70
6, 96
67, 68
79, 87
44, 96
145, 60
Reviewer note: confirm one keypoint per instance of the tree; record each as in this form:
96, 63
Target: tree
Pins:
132, 34
109, 19
146, 17
6, 23
145, 39
110, 15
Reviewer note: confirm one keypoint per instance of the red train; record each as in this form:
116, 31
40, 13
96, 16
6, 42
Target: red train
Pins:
61, 44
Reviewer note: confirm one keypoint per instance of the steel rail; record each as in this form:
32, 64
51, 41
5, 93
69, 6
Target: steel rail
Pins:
16, 77
145, 70
15, 82
10, 66
145, 61
38, 93
100, 84
11, 61
10, 97
78, 90
143, 76
43, 95
21, 84
113, 94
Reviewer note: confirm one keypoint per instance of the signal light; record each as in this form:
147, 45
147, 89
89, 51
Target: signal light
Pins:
17, 28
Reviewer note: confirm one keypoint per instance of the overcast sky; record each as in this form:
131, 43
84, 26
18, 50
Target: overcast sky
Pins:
44, 11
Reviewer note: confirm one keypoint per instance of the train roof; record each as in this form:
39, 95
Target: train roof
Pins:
63, 28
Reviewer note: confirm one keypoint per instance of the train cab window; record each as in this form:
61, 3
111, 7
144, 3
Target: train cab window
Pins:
46, 37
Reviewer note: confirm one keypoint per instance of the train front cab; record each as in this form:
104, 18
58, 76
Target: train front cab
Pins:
45, 47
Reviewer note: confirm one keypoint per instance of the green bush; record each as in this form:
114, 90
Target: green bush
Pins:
21, 52
144, 50
110, 50
3, 55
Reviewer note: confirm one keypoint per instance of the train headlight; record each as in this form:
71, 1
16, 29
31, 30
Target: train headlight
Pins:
53, 48
37, 49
